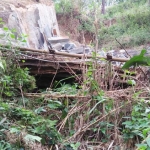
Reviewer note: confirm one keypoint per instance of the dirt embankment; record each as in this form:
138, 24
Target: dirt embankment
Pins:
70, 24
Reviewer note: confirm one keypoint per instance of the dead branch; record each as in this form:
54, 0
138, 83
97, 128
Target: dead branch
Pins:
37, 95
87, 126
123, 47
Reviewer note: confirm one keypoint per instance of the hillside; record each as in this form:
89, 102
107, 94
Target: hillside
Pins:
130, 26
127, 21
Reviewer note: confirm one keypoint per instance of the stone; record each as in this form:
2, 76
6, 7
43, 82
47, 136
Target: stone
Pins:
69, 46
102, 53
36, 20
55, 40
79, 50
57, 46
118, 53
148, 51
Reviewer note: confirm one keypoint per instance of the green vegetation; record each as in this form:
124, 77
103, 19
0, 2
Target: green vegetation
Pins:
137, 60
25, 126
63, 6
71, 117
138, 125
12, 78
20, 122
128, 21
131, 25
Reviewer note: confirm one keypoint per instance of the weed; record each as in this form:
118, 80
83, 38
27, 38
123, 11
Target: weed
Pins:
137, 126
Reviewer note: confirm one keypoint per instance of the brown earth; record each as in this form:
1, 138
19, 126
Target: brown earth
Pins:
69, 25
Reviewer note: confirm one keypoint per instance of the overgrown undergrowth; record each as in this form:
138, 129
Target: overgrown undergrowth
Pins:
70, 117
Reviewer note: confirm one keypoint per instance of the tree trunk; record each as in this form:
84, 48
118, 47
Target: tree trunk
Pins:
103, 7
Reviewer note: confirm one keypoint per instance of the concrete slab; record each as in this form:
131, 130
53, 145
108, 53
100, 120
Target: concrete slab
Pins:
54, 40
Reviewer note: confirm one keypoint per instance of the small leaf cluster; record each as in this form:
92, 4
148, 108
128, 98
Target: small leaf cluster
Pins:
12, 81
21, 120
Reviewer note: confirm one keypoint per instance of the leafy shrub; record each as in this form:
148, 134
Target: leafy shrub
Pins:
22, 77
5, 145
63, 6
16, 78
12, 77
67, 89
138, 125
24, 120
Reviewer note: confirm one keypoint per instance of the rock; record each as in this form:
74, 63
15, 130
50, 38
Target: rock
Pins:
69, 46
87, 50
57, 46
80, 50
148, 51
55, 40
102, 53
118, 53
36, 20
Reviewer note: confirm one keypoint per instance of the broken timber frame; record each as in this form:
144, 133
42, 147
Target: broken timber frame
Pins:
48, 63
66, 54
75, 55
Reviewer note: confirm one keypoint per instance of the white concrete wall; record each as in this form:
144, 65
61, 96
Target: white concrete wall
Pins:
34, 20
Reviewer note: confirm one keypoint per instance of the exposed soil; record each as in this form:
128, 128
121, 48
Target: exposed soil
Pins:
69, 25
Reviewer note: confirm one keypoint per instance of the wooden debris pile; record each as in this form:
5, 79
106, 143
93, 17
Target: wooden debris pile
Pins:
50, 64
107, 75
110, 77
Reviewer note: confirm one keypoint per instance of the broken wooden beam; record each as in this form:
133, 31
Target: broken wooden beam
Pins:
76, 55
